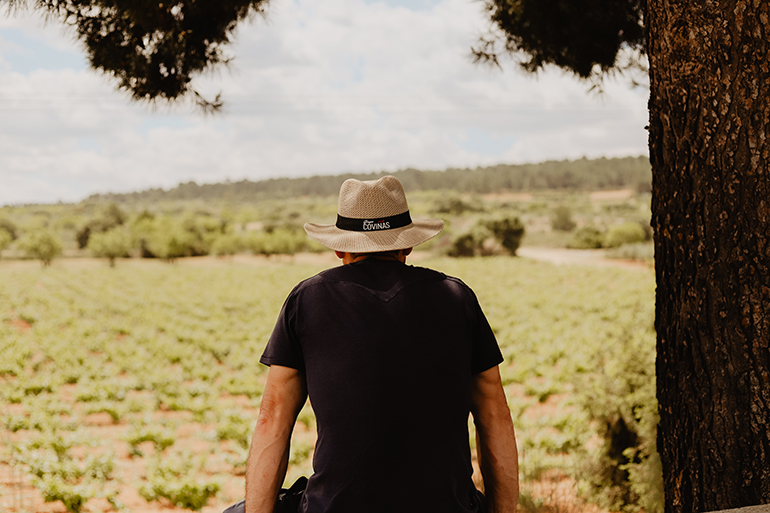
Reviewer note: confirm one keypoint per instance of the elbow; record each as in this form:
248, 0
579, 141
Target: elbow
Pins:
273, 423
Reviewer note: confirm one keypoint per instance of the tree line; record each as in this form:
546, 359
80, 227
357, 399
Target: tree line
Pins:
581, 174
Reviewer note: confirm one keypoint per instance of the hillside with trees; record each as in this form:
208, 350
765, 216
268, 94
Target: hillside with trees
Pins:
583, 174
488, 211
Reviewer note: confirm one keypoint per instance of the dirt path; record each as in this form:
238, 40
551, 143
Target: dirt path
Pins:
590, 257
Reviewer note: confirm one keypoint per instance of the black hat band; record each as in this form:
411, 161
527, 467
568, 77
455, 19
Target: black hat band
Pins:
375, 224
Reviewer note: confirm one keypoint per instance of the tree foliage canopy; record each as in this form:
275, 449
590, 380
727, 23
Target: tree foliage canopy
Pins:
576, 36
41, 244
152, 48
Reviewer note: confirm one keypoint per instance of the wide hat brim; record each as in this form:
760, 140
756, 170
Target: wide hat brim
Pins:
409, 236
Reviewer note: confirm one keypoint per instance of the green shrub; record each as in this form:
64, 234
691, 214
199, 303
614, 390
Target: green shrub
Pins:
111, 244
626, 233
167, 239
455, 205
109, 217
58, 475
41, 244
491, 236
246, 384
161, 436
5, 239
73, 496
588, 237
8, 226
561, 219
624, 472
283, 241
174, 479
279, 241
235, 426
463, 246
115, 410
541, 390
204, 229
227, 244
508, 230
14, 422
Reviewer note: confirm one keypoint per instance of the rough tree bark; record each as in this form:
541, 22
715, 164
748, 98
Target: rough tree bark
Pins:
710, 154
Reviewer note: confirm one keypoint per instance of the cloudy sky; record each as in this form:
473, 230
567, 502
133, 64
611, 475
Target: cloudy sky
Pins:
319, 87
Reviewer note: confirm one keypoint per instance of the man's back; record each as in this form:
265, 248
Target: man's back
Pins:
388, 352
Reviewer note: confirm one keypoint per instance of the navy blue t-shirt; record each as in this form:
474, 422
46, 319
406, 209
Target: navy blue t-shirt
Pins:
388, 351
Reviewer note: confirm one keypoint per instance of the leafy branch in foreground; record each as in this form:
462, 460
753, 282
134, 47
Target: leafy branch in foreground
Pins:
152, 49
586, 38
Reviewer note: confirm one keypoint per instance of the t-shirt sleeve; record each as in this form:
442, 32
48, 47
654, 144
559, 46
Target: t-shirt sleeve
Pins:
283, 347
486, 352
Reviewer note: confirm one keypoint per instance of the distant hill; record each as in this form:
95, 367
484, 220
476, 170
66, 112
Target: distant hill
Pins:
582, 174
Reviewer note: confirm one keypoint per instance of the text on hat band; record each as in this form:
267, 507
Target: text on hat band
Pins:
375, 224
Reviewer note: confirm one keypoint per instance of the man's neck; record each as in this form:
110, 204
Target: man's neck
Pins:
349, 258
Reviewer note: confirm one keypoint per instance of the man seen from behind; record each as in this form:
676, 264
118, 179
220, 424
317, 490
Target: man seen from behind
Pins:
394, 358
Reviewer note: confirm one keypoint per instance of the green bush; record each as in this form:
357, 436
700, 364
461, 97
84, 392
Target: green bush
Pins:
455, 205
58, 475
278, 241
491, 236
463, 246
283, 241
624, 472
561, 219
109, 217
73, 496
508, 230
167, 239
626, 233
115, 410
227, 244
235, 426
111, 244
161, 436
250, 385
588, 237
8, 226
174, 479
5, 239
41, 244
170, 237
204, 229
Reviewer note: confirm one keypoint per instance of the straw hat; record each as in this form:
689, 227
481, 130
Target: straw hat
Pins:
373, 216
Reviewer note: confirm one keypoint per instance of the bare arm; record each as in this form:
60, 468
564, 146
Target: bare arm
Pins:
285, 394
496, 442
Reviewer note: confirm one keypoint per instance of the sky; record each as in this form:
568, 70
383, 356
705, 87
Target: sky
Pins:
316, 87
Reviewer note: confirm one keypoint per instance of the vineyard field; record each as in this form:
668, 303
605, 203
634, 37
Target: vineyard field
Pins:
136, 388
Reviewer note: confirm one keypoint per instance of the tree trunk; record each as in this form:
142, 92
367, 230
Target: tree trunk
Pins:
709, 125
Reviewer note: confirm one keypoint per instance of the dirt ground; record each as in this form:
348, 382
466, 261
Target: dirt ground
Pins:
589, 257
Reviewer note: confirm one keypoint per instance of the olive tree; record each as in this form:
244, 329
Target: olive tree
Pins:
41, 244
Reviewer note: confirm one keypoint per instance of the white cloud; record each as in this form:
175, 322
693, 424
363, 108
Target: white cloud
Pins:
321, 86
